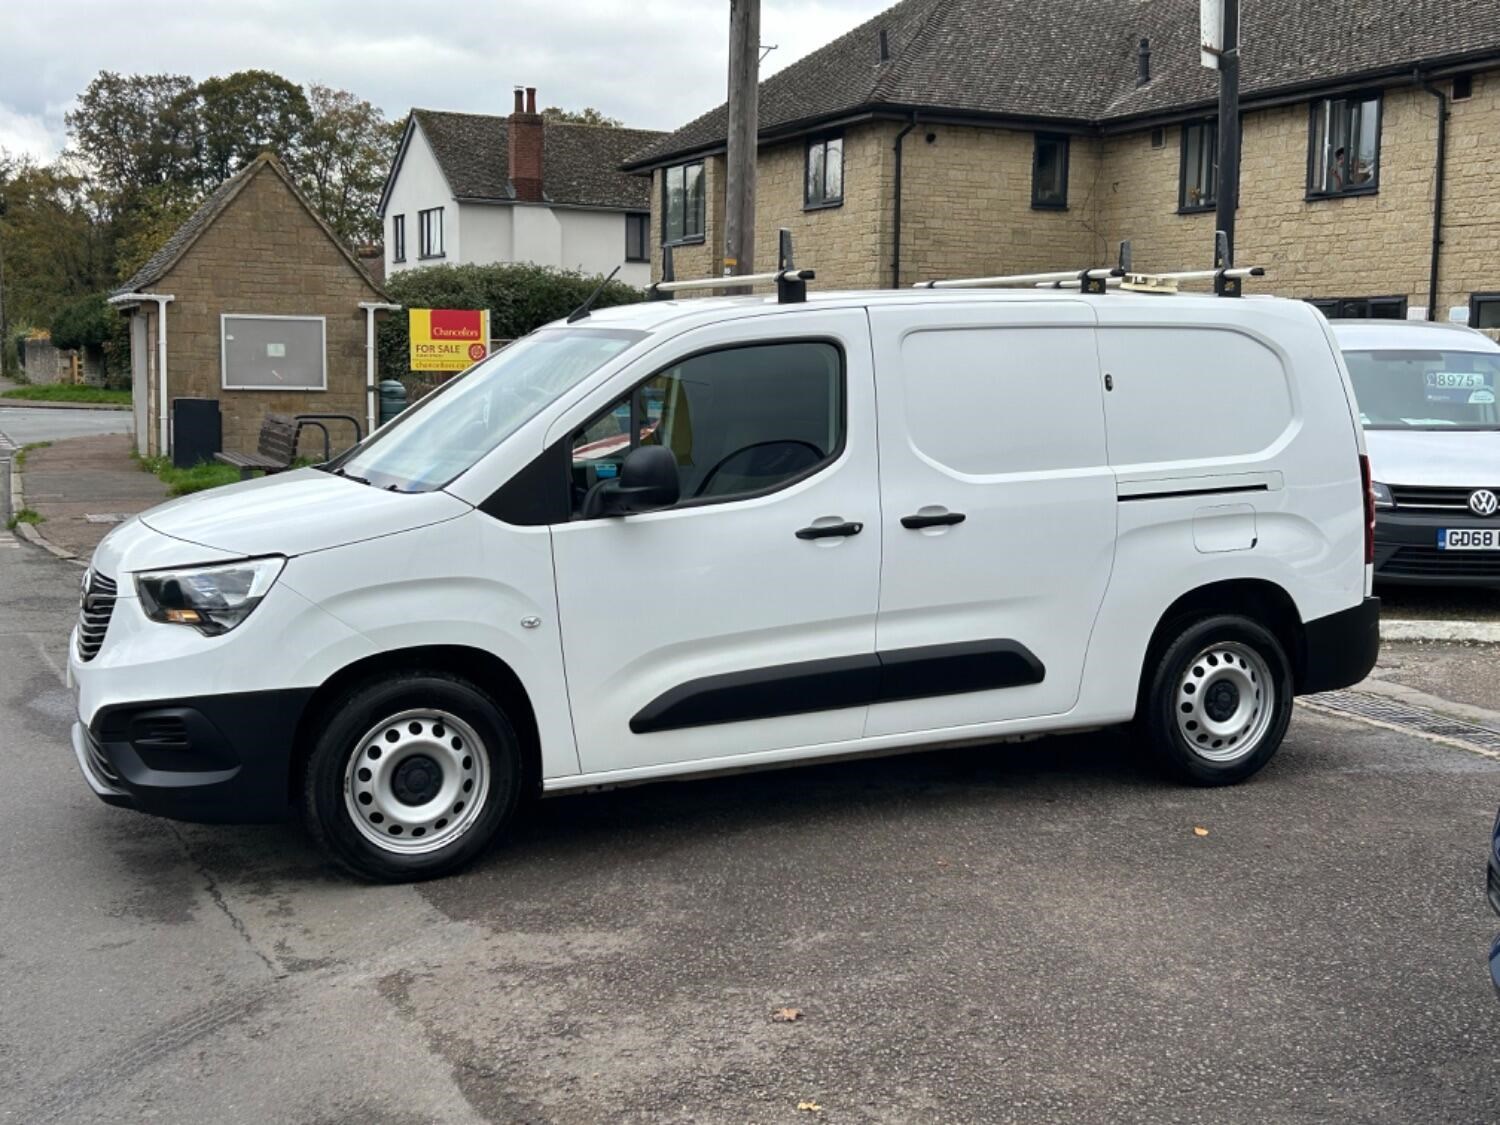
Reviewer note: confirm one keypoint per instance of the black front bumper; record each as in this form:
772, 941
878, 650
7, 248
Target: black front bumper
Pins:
1406, 551
1339, 650
221, 759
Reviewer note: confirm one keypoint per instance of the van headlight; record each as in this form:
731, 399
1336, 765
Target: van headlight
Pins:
1382, 493
212, 599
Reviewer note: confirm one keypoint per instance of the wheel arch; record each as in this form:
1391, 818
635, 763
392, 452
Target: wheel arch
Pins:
1259, 600
483, 669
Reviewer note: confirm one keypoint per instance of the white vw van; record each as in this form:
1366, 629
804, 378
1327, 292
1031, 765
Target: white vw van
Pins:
690, 536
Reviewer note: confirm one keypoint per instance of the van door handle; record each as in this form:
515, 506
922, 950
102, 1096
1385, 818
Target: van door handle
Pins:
830, 530
936, 519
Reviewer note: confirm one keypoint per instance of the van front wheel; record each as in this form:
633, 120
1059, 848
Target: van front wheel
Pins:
411, 776
1219, 700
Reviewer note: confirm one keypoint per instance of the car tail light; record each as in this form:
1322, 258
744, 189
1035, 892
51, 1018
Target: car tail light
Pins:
1369, 484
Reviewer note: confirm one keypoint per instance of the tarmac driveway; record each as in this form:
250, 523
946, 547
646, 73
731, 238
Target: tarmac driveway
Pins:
1005, 933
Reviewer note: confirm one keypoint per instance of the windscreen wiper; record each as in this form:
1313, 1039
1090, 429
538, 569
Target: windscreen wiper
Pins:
349, 476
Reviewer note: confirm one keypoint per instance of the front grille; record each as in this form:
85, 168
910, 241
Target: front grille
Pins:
1429, 562
99, 763
1435, 499
94, 614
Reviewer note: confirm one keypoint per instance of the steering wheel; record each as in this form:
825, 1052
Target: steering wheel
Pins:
793, 443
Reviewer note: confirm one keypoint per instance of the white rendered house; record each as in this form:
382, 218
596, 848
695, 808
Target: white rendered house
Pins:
479, 188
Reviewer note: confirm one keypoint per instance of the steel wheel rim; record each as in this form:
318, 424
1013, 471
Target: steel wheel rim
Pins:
1225, 701
391, 793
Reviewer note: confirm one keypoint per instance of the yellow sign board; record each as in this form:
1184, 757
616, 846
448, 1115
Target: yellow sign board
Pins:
448, 339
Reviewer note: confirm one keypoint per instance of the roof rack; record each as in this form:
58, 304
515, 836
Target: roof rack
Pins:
1228, 281
791, 283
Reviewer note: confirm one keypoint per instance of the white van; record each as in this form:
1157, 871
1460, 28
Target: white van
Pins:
1427, 401
683, 537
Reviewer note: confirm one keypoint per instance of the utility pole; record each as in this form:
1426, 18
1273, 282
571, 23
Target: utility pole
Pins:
1228, 188
5, 342
744, 127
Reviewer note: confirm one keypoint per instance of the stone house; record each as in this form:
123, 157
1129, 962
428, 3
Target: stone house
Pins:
479, 188
952, 138
266, 310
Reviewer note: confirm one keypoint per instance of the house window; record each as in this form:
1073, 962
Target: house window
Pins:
1198, 185
1344, 146
398, 238
1158, 137
1463, 87
1049, 173
683, 198
824, 181
1360, 308
430, 230
1484, 310
637, 238
272, 353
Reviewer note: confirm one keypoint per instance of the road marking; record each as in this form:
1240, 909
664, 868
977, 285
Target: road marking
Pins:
1391, 714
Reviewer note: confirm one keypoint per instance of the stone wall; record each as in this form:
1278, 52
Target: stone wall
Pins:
264, 254
966, 206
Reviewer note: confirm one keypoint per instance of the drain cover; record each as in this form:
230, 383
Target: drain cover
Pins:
1403, 716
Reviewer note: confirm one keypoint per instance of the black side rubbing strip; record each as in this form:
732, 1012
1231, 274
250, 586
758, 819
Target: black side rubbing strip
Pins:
788, 689
916, 673
829, 685
1196, 492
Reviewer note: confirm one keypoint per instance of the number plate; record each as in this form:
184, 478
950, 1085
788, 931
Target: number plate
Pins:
1469, 539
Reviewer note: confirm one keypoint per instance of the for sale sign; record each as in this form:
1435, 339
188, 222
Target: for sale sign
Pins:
448, 339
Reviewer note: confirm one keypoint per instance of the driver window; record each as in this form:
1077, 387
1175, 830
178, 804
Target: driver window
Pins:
738, 421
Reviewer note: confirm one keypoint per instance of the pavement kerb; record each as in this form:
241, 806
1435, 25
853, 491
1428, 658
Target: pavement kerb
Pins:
37, 404
1416, 629
28, 531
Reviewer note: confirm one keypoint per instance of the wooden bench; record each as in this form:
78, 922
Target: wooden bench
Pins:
275, 451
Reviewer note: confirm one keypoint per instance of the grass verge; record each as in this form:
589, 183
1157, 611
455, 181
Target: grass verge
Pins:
68, 392
180, 482
20, 457
25, 515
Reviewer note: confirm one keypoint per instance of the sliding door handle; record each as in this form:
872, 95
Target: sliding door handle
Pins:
830, 530
935, 519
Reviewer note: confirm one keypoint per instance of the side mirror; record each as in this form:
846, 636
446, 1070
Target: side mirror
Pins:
647, 482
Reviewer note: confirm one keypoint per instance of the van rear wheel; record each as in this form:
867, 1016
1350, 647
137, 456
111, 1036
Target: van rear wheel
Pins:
411, 776
1219, 700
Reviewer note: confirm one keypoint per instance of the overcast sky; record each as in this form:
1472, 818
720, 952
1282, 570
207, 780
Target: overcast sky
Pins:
652, 63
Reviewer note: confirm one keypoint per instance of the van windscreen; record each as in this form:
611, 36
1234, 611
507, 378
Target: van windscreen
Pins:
1422, 389
440, 437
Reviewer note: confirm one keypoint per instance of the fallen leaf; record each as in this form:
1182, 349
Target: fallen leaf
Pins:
1199, 830
786, 1015
810, 1107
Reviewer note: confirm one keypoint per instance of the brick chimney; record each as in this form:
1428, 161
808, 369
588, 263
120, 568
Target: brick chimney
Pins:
526, 131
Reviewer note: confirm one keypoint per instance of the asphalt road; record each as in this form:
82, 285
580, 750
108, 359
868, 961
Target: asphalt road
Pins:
1014, 933
25, 425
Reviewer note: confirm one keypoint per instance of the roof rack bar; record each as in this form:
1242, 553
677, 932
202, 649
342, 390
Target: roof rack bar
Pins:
1093, 273
734, 281
790, 282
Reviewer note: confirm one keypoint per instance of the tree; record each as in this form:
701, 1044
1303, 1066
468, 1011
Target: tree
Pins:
241, 115
588, 115
84, 323
345, 154
136, 132
55, 246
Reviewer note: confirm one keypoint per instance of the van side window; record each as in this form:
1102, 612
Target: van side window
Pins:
740, 421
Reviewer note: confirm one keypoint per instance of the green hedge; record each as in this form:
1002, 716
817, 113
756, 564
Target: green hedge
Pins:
520, 299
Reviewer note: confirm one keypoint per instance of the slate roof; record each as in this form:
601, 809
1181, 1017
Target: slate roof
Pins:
170, 251
580, 163
1074, 61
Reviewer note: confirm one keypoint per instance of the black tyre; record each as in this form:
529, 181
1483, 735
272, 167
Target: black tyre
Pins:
411, 776
1218, 700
